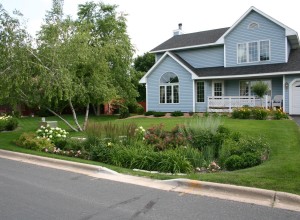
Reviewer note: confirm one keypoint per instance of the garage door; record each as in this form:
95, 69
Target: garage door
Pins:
296, 98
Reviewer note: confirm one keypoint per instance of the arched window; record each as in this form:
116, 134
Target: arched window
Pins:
253, 25
169, 88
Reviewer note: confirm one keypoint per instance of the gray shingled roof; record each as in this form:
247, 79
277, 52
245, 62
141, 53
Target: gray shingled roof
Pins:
193, 39
292, 65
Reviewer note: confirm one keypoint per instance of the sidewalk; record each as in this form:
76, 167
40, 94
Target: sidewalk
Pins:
256, 196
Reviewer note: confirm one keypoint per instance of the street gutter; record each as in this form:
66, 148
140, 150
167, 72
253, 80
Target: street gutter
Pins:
182, 186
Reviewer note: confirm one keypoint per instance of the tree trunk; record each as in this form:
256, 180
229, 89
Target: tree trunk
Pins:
98, 110
64, 120
86, 116
74, 116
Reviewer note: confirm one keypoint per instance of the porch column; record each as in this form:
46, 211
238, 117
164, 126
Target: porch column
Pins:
283, 92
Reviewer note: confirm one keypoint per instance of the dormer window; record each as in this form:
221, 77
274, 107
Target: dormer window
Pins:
253, 25
254, 51
169, 88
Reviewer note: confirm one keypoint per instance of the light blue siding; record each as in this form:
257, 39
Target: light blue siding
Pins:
158, 56
185, 87
289, 79
267, 30
232, 87
204, 57
276, 86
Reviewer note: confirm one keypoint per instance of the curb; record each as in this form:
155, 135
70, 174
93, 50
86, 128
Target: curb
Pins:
257, 196
51, 162
251, 195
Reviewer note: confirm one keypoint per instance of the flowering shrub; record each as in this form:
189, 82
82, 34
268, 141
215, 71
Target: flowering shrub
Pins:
279, 114
241, 113
161, 140
8, 123
140, 133
247, 113
51, 134
30, 141
260, 113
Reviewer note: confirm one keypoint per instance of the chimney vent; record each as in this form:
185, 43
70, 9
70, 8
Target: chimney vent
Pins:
180, 26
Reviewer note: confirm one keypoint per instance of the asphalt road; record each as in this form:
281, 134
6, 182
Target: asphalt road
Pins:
30, 192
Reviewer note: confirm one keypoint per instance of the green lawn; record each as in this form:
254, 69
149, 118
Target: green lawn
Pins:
281, 172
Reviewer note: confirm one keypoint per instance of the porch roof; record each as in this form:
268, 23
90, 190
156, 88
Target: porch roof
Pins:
291, 66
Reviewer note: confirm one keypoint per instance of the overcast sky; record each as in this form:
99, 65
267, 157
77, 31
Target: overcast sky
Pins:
151, 22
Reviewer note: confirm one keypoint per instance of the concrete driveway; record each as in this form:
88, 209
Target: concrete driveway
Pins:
296, 118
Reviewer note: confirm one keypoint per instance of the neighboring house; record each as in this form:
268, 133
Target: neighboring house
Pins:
214, 70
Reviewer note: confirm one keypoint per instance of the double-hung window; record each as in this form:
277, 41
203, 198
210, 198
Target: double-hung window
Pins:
253, 51
169, 88
200, 91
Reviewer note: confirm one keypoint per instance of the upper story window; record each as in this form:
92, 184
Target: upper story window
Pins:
169, 88
253, 51
253, 25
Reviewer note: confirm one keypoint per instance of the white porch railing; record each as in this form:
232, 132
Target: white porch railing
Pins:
227, 103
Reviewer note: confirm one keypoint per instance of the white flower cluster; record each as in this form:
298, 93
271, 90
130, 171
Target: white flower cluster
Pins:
5, 117
51, 133
140, 130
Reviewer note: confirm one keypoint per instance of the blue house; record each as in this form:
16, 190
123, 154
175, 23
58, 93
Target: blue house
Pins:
215, 70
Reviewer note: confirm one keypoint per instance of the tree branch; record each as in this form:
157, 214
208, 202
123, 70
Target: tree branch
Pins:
74, 115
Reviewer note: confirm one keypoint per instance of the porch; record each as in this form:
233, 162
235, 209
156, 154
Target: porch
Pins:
228, 103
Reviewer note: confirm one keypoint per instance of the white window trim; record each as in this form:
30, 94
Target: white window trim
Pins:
172, 94
197, 91
247, 52
213, 87
172, 91
250, 80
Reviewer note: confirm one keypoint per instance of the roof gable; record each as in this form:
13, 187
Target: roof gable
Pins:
175, 57
290, 33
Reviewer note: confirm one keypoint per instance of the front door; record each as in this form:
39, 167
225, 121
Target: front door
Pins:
296, 98
218, 88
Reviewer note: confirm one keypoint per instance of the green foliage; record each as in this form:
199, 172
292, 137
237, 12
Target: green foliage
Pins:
8, 123
110, 131
251, 152
124, 112
11, 124
159, 114
140, 110
260, 88
177, 113
234, 162
75, 62
142, 64
148, 113
260, 113
279, 114
30, 141
206, 134
241, 113
247, 113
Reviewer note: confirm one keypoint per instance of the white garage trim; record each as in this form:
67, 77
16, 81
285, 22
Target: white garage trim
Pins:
291, 95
